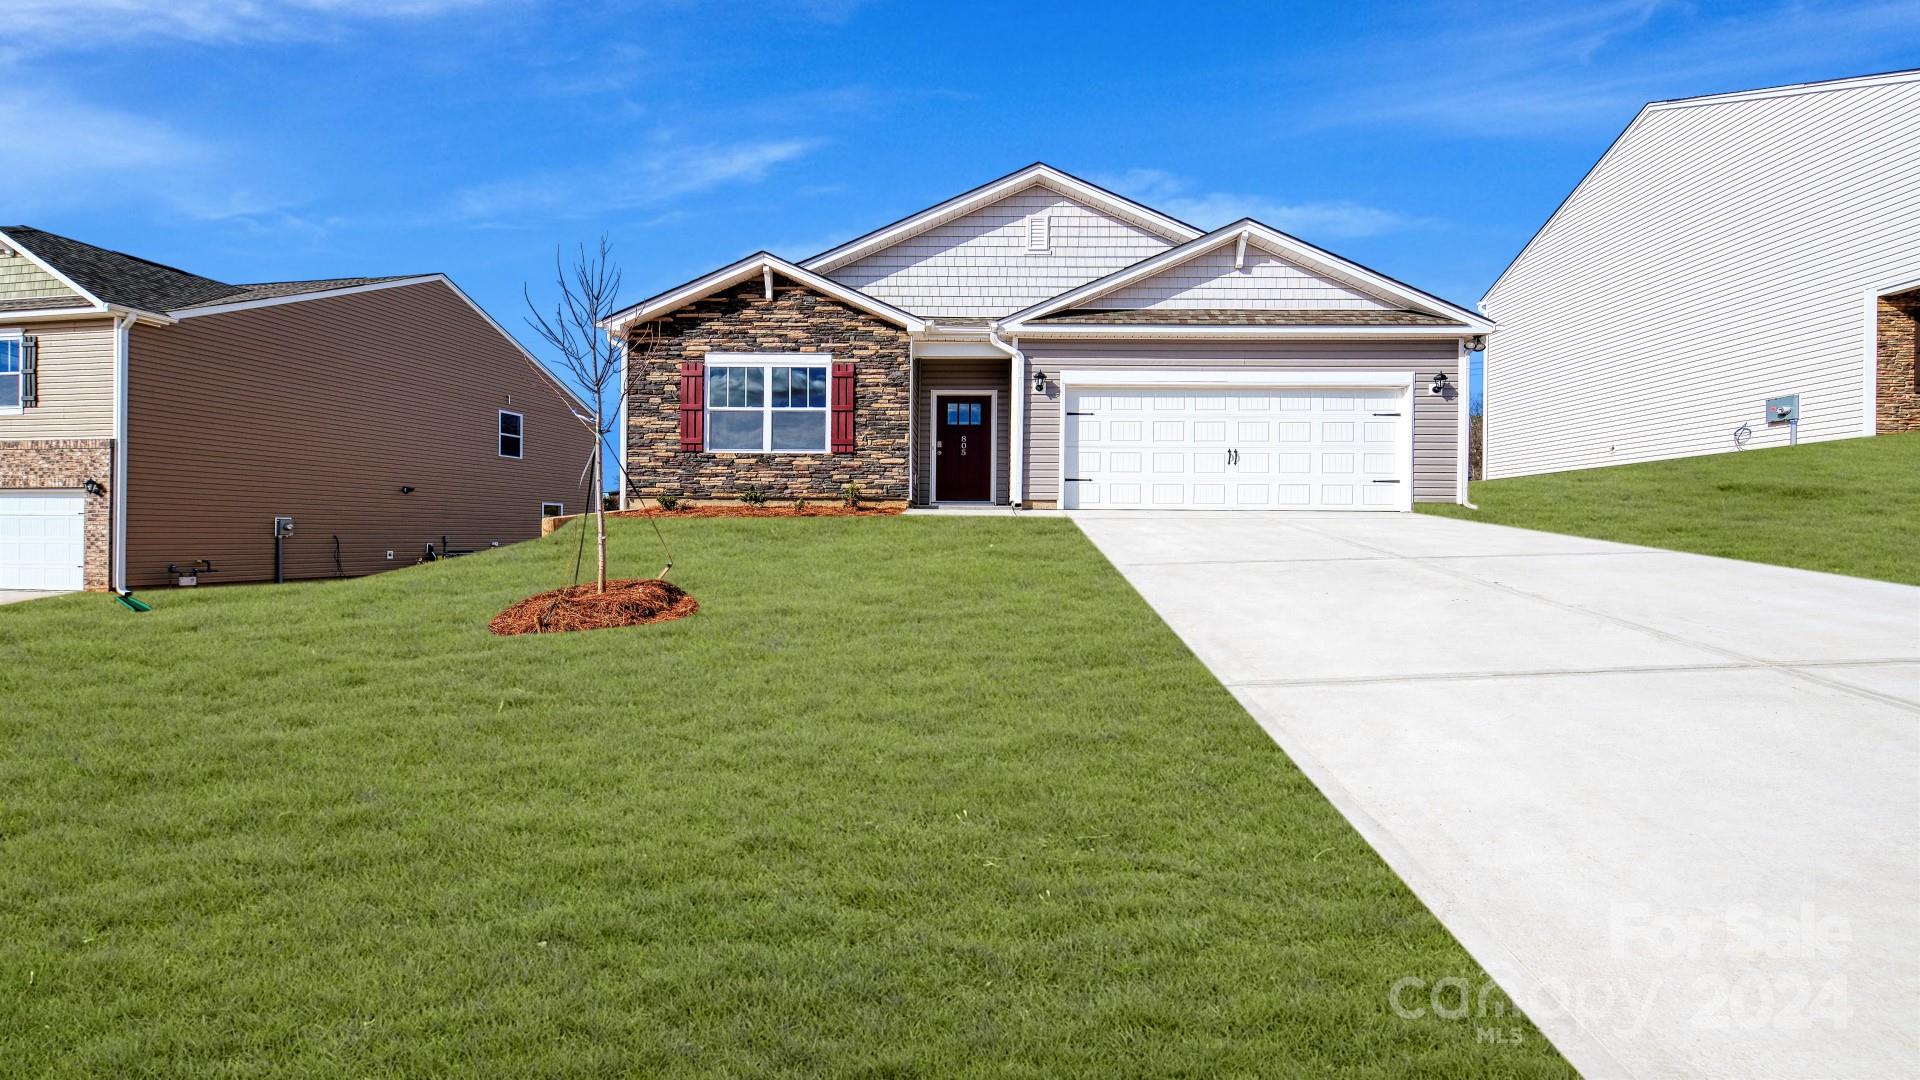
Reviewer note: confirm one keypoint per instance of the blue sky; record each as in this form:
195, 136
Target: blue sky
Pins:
272, 139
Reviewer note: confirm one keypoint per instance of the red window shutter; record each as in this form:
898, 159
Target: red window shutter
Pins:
693, 399
842, 398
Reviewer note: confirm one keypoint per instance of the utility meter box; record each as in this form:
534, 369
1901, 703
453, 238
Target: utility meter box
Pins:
1782, 409
282, 527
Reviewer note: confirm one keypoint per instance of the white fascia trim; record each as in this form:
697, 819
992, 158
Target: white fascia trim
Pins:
1255, 333
1318, 377
748, 268
299, 298
1870, 352
45, 314
1278, 243
98, 304
959, 205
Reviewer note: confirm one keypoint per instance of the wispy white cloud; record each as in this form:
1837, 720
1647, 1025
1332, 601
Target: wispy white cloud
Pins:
47, 25
86, 150
639, 179
1336, 219
1594, 65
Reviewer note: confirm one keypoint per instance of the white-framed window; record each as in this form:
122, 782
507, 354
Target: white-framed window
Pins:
513, 434
768, 404
548, 510
13, 384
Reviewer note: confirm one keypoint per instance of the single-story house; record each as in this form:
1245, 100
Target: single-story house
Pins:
1738, 270
1040, 341
155, 424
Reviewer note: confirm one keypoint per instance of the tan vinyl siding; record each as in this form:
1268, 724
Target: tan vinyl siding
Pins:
944, 375
76, 382
978, 265
1435, 419
1262, 282
21, 277
323, 410
1722, 252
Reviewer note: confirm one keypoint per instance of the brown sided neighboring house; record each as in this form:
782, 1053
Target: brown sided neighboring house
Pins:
153, 421
1039, 341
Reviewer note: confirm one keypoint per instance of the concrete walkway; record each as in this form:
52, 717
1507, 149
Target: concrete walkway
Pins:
1670, 802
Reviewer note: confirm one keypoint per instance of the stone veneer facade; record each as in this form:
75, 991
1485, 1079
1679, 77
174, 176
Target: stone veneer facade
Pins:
796, 320
69, 464
1897, 401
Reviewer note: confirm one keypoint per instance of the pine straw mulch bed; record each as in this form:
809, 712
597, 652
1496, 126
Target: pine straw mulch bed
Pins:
627, 602
763, 512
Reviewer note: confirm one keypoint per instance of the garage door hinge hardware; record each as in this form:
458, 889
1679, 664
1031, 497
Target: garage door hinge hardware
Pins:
1386, 481
1386, 414
1077, 480
1070, 412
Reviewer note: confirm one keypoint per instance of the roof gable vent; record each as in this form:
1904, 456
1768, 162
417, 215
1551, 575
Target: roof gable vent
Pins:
1039, 241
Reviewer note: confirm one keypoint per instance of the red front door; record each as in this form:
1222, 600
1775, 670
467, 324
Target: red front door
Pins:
963, 448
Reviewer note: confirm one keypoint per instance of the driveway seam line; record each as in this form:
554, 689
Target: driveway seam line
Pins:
1654, 631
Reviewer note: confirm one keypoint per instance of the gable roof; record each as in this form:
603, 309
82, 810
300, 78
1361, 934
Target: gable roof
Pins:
1247, 230
1653, 108
756, 265
108, 278
1244, 317
1039, 173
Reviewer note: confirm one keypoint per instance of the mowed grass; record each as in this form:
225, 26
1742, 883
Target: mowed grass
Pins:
909, 797
1845, 507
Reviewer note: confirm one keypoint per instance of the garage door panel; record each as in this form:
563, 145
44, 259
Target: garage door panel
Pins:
42, 539
1248, 449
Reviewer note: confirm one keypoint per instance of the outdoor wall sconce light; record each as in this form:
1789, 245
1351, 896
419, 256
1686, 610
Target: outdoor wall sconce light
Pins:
94, 488
1439, 387
1039, 381
406, 489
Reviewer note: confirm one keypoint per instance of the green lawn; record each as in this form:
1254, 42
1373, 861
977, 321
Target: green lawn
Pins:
1847, 507
909, 797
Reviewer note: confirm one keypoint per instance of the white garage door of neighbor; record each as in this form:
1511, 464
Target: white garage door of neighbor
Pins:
43, 539
1174, 448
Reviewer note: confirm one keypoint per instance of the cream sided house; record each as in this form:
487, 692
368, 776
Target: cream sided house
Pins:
1739, 270
1039, 341
157, 425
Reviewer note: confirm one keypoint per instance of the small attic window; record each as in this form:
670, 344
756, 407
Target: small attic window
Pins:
1038, 229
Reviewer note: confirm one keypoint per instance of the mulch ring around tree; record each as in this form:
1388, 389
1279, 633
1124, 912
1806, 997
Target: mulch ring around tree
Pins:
729, 511
627, 602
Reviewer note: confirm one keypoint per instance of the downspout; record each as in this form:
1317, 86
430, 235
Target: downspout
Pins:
1017, 418
1466, 422
117, 508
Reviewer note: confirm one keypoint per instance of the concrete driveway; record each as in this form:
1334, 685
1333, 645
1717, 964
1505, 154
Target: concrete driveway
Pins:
14, 596
1670, 802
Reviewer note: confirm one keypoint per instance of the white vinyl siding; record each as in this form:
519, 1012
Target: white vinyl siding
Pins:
1720, 254
979, 265
1265, 282
1436, 420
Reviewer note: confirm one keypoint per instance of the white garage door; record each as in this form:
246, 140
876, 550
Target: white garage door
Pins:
1169, 448
43, 539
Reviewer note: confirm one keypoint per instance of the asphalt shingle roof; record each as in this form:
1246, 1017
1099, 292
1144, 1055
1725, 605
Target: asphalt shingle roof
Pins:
130, 281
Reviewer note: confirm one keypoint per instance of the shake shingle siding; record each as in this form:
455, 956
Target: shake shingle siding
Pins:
1723, 252
1262, 282
978, 265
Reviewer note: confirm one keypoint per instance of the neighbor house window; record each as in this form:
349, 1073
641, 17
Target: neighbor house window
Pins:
779, 406
12, 387
512, 434
548, 510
